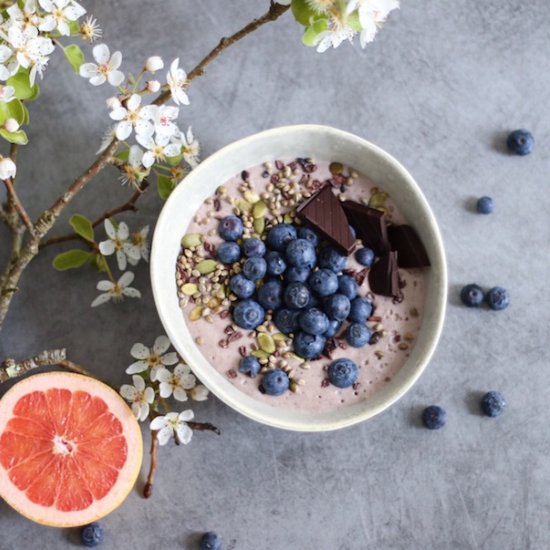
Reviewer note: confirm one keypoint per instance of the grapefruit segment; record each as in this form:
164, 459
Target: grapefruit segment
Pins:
70, 449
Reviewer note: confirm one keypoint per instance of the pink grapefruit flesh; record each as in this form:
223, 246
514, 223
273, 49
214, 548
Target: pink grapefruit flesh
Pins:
70, 449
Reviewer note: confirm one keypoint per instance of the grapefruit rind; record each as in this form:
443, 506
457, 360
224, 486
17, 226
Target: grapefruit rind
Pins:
127, 475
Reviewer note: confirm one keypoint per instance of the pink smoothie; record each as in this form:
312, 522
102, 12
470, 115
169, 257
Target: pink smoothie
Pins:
223, 343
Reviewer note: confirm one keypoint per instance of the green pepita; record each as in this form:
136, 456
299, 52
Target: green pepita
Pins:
259, 225
260, 354
206, 266
279, 337
243, 206
196, 313
189, 289
259, 210
191, 240
251, 197
266, 343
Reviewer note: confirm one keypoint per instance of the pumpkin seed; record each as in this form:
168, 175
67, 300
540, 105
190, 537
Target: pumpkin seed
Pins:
266, 342
206, 266
243, 206
279, 337
260, 354
196, 313
251, 197
189, 289
191, 240
259, 210
259, 225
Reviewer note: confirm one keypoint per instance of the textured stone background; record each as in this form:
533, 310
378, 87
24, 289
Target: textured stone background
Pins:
439, 89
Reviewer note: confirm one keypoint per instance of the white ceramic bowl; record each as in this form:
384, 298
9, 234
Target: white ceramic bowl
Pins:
319, 142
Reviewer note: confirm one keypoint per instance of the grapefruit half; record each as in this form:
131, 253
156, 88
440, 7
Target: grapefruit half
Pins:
70, 449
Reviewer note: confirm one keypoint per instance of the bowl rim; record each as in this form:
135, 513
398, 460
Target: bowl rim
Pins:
436, 321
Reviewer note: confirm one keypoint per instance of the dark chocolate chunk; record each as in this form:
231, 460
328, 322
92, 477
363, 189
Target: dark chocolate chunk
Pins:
384, 276
405, 240
370, 225
323, 211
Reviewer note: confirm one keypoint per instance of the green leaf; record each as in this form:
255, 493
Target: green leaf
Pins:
71, 259
19, 137
100, 262
22, 86
123, 155
82, 226
316, 28
165, 186
74, 27
26, 116
75, 56
174, 161
302, 12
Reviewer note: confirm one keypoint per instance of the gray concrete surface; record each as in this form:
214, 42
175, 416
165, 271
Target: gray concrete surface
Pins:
440, 87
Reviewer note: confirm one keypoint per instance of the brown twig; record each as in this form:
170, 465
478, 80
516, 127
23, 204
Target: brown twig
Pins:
148, 489
203, 426
13, 200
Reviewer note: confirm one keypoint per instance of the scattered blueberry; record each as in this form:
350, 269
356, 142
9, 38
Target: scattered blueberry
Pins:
300, 253
324, 282
286, 320
254, 268
296, 295
365, 256
92, 535
314, 321
241, 286
343, 373
249, 365
248, 314
309, 235
275, 263
211, 541
308, 346
337, 307
331, 259
253, 247
230, 228
472, 295
434, 417
270, 294
360, 310
493, 404
280, 235
333, 328
275, 382
296, 274
520, 142
229, 252
498, 298
357, 335
347, 286
485, 205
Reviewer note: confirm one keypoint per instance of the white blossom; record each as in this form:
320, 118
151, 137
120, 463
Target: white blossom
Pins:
163, 119
6, 54
176, 383
177, 80
199, 393
139, 396
154, 63
24, 17
153, 86
133, 116
132, 171
139, 239
113, 102
11, 125
333, 37
7, 168
372, 14
189, 147
90, 30
60, 13
116, 291
173, 424
105, 68
106, 140
158, 148
118, 242
152, 358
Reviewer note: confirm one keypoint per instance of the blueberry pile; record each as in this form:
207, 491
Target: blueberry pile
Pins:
299, 280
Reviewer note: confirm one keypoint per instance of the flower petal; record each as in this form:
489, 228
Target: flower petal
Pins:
158, 423
136, 409
163, 375
88, 70
131, 292
105, 286
169, 358
134, 102
121, 260
123, 231
120, 113
101, 299
180, 394
132, 251
123, 130
162, 343
149, 394
115, 78
128, 392
139, 383
184, 433
101, 53
164, 435
98, 80
115, 61
107, 247
165, 390
148, 159
126, 279
139, 351
144, 412
186, 415
199, 393
137, 367
109, 228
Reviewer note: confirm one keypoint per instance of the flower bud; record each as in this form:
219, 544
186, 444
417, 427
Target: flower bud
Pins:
153, 86
7, 168
154, 63
113, 102
11, 125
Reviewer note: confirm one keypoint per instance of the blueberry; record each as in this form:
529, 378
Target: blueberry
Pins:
275, 382
357, 335
472, 295
365, 256
493, 404
280, 235
229, 252
286, 320
275, 263
92, 535
241, 286
434, 417
348, 286
296, 274
248, 314
337, 307
211, 541
270, 294
333, 328
343, 373
308, 346
254, 268
249, 365
360, 310
520, 142
300, 253
485, 205
309, 235
498, 298
324, 282
230, 228
253, 247
296, 295
314, 321
313, 302
329, 258
353, 232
